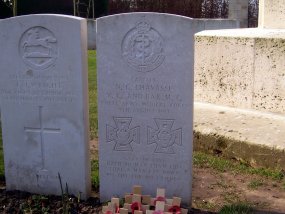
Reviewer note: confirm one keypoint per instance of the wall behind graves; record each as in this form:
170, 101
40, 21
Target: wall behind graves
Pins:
241, 68
91, 30
272, 14
244, 68
238, 9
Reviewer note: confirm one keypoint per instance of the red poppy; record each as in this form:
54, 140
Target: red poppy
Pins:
159, 198
135, 206
175, 209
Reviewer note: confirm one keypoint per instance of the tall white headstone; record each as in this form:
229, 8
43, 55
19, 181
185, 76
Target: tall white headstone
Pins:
44, 104
145, 101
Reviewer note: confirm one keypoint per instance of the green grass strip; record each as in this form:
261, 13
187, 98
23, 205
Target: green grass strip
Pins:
92, 83
236, 209
223, 165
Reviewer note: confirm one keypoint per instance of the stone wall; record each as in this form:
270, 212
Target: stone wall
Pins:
271, 14
241, 68
91, 28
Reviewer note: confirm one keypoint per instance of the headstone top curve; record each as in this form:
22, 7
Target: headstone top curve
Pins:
15, 18
144, 13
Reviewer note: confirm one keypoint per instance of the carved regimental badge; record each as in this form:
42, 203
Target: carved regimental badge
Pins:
164, 137
122, 134
38, 48
142, 47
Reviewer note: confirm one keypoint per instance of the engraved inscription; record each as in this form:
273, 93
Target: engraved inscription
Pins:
144, 95
147, 167
142, 47
122, 134
43, 176
41, 130
164, 137
38, 48
39, 87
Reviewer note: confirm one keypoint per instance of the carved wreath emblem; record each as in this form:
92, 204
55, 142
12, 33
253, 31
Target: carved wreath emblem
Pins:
123, 135
142, 47
38, 48
164, 137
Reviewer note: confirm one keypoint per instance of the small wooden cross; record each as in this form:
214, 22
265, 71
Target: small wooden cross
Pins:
137, 190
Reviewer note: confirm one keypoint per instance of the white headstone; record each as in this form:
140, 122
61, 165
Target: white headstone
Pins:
44, 103
91, 29
238, 9
145, 101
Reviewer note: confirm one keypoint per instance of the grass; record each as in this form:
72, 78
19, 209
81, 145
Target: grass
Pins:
93, 119
92, 81
206, 205
254, 184
236, 209
35, 205
209, 161
95, 175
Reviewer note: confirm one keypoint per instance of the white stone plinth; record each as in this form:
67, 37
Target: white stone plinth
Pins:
271, 14
241, 68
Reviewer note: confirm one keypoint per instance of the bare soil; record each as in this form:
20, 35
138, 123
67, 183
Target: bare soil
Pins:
211, 191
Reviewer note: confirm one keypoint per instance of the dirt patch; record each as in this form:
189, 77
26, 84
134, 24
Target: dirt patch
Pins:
94, 149
212, 190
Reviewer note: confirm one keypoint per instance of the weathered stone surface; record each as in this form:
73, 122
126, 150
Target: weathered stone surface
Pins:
241, 68
220, 77
216, 24
271, 14
269, 74
253, 137
145, 98
43, 91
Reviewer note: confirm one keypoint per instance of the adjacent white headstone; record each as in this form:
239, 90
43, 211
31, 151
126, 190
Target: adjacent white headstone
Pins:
91, 29
145, 86
238, 9
44, 103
